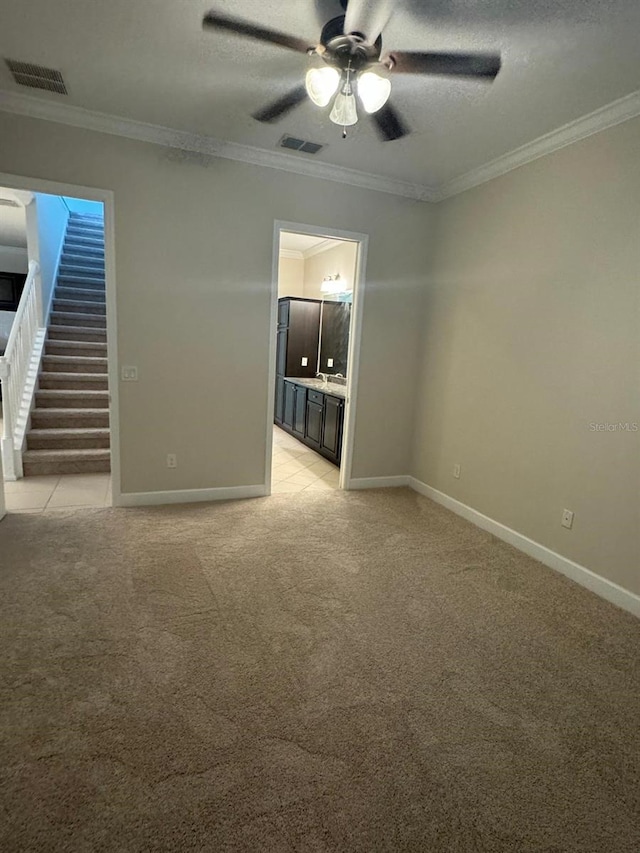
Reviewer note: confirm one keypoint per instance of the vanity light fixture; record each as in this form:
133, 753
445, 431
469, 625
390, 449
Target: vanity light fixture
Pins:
333, 284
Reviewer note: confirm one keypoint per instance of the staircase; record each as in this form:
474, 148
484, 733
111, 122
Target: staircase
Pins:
69, 431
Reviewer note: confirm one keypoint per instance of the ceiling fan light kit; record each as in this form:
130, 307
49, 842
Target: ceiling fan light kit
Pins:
322, 84
344, 112
373, 91
351, 48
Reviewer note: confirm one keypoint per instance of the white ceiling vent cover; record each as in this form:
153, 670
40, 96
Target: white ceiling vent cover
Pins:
36, 76
294, 144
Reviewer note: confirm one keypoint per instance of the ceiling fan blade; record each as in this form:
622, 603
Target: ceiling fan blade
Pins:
279, 108
215, 21
389, 124
473, 65
368, 17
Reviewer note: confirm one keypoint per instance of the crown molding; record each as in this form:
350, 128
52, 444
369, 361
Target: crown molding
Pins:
319, 248
299, 255
608, 116
27, 105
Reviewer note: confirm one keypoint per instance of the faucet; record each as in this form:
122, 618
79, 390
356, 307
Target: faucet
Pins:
323, 376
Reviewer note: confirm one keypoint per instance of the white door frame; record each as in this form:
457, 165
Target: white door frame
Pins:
107, 198
353, 362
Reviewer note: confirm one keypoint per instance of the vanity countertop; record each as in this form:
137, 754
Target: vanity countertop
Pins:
332, 388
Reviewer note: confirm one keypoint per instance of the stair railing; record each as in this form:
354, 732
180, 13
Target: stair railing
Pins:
15, 371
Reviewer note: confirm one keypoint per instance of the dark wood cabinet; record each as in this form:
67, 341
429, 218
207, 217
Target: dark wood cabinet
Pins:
279, 400
283, 312
302, 338
300, 410
332, 427
298, 337
313, 417
314, 424
289, 405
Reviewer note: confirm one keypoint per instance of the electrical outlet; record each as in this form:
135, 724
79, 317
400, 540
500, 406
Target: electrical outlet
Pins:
305, 361
329, 362
172, 460
567, 519
129, 374
456, 471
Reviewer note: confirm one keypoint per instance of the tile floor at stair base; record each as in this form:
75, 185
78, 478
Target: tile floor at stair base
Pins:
58, 492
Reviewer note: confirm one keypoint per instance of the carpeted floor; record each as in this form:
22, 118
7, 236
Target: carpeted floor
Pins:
354, 672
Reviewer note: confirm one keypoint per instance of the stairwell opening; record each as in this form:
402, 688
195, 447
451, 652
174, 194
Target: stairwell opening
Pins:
63, 434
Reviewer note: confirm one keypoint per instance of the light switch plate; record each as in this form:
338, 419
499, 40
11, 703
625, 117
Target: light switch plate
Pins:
329, 362
305, 361
129, 374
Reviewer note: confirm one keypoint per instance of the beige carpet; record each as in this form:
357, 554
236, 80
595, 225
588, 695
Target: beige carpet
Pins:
346, 672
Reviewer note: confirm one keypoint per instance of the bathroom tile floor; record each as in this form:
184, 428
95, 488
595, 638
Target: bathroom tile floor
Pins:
297, 468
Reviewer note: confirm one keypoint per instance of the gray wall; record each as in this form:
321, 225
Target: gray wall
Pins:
193, 300
14, 259
531, 335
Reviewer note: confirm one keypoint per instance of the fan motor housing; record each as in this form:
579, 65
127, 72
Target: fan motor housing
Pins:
346, 51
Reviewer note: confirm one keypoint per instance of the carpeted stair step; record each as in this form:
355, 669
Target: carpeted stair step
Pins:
62, 332
77, 306
84, 258
68, 439
67, 318
81, 281
86, 236
83, 252
76, 349
81, 271
90, 294
83, 229
74, 399
43, 462
69, 418
74, 364
73, 381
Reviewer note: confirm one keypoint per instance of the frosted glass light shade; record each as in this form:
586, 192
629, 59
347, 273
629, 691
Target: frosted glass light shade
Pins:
344, 110
321, 84
373, 91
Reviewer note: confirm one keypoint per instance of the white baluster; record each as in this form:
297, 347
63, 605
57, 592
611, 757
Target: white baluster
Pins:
14, 365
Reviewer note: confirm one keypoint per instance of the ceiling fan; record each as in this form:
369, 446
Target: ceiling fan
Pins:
350, 48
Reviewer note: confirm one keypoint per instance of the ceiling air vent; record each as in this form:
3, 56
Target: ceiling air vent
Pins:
294, 144
37, 77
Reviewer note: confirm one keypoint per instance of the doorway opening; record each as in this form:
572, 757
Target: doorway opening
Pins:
318, 293
57, 346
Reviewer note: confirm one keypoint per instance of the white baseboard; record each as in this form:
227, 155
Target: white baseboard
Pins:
183, 496
606, 589
379, 482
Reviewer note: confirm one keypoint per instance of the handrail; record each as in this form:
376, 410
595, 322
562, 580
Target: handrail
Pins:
30, 283
14, 368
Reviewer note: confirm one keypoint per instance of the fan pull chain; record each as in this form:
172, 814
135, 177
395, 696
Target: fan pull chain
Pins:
344, 127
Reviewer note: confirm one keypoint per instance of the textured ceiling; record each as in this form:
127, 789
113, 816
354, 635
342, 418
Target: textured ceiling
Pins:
151, 61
